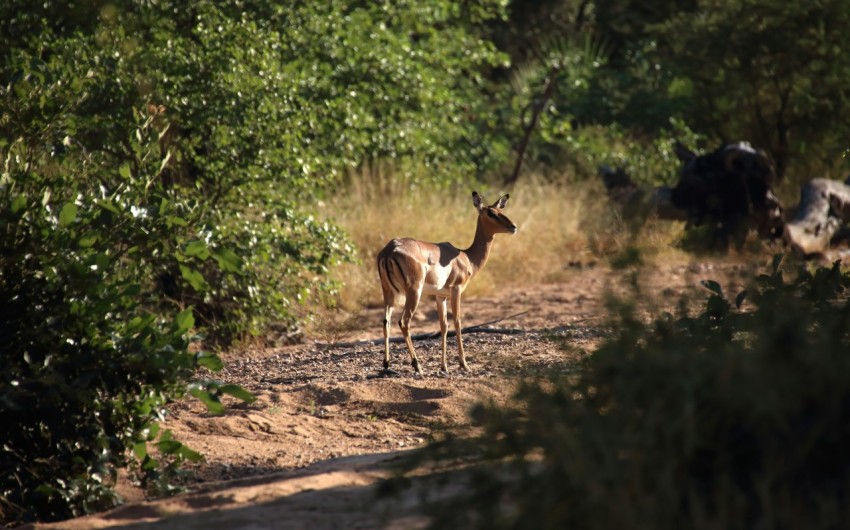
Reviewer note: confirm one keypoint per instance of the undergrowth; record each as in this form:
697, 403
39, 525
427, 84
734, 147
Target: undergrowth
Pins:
737, 416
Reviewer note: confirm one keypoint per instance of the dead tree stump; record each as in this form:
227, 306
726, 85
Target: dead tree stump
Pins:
823, 210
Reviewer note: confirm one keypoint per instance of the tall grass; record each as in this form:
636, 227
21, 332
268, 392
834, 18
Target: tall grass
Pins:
559, 225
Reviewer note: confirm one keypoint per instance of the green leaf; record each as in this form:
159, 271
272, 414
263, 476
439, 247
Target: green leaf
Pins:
102, 260
139, 323
712, 286
153, 431
165, 161
195, 278
168, 447
67, 214
228, 261
18, 203
108, 205
124, 170
210, 361
238, 392
149, 464
185, 320
140, 449
88, 240
173, 220
212, 403
197, 249
189, 454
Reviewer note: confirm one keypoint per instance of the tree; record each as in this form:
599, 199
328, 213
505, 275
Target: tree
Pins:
765, 71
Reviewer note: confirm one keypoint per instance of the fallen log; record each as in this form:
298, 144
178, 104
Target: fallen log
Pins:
824, 208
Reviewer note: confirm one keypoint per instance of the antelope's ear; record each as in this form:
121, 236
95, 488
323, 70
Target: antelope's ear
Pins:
503, 200
477, 200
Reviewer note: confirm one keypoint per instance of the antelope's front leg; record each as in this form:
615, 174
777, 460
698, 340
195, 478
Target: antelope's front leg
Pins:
444, 328
457, 321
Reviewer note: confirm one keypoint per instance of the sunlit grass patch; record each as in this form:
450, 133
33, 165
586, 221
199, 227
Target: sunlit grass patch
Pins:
562, 227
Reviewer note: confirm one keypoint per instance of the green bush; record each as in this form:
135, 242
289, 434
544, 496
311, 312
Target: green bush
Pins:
727, 419
648, 163
226, 157
93, 348
261, 108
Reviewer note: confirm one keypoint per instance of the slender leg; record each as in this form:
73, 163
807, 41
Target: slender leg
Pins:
387, 316
410, 305
457, 320
444, 328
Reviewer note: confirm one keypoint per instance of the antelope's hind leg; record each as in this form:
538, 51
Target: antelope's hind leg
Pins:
410, 304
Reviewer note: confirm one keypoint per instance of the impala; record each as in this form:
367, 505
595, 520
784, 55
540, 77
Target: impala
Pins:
410, 268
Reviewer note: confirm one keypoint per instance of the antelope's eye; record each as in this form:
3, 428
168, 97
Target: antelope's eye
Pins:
492, 214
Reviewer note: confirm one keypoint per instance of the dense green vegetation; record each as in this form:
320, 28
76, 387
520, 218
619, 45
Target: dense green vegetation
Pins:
162, 167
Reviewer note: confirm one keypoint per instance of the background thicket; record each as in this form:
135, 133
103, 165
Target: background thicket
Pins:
171, 173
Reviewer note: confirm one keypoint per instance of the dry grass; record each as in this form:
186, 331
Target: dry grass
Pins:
560, 227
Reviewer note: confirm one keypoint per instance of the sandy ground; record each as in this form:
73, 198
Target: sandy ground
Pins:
313, 449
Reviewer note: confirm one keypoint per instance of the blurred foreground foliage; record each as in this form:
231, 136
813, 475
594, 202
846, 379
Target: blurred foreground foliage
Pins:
728, 418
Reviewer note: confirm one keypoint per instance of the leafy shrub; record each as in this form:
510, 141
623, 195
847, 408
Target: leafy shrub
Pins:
725, 419
92, 347
262, 108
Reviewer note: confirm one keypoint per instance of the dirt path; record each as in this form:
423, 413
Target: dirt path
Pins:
311, 451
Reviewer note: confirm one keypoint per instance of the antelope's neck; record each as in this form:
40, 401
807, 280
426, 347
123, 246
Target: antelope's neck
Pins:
479, 251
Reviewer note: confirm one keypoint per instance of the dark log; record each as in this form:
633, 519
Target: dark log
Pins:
729, 188
823, 210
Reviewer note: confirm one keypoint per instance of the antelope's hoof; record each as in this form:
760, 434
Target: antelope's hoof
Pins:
443, 373
417, 368
464, 367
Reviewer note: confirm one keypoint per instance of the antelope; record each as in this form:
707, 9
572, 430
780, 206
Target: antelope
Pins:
410, 268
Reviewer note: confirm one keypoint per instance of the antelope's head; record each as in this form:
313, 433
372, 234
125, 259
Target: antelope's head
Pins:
492, 217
